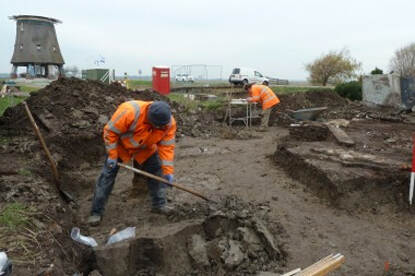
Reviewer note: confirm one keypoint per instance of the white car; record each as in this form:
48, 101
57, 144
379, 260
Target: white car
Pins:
242, 75
184, 78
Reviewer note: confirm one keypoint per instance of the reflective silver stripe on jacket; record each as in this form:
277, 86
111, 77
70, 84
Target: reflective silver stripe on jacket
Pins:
136, 115
167, 163
263, 90
126, 135
256, 97
111, 124
111, 146
113, 128
268, 95
267, 100
168, 142
134, 124
133, 142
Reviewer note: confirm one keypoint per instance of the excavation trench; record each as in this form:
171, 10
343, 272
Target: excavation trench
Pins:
363, 174
231, 238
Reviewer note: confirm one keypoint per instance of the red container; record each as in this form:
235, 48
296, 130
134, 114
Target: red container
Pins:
161, 79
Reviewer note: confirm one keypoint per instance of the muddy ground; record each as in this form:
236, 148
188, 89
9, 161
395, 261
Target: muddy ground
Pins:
240, 168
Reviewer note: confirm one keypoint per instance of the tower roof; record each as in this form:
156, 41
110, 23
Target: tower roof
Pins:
34, 17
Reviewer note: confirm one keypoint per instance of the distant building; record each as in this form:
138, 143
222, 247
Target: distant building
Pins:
389, 90
36, 47
97, 74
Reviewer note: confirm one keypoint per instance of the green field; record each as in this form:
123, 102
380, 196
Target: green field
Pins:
28, 89
193, 104
9, 101
139, 84
287, 89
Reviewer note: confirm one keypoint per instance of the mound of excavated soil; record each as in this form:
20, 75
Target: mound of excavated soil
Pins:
338, 108
311, 99
72, 113
71, 105
302, 100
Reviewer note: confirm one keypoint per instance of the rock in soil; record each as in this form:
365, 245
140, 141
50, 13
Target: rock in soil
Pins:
204, 242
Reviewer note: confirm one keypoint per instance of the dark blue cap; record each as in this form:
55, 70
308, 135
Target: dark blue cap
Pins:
159, 113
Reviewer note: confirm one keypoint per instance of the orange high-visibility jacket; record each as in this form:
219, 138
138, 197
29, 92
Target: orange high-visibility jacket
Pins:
130, 135
263, 94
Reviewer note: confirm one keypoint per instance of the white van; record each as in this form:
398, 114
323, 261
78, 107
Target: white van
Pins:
184, 78
243, 75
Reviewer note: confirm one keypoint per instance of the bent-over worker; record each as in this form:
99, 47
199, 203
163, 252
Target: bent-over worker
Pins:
264, 95
144, 131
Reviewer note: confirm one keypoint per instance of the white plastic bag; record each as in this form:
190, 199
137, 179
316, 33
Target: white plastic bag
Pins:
127, 233
5, 265
76, 236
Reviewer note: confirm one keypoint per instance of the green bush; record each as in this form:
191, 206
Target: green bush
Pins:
351, 90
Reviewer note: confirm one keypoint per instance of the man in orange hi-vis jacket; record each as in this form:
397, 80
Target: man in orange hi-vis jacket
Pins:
145, 132
264, 95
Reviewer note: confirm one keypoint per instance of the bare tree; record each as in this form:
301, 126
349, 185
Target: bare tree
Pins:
335, 66
403, 62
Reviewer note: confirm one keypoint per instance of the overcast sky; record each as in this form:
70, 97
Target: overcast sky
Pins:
276, 37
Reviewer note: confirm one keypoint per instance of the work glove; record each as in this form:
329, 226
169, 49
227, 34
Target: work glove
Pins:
170, 178
111, 163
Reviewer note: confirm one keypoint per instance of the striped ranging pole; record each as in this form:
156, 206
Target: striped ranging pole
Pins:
411, 184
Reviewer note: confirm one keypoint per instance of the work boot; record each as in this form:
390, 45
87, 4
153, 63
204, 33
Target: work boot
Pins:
163, 210
94, 220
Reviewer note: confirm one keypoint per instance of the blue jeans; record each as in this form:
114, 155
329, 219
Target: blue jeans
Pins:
106, 180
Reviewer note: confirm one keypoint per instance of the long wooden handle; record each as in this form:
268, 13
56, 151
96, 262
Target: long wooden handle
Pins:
324, 266
42, 141
158, 178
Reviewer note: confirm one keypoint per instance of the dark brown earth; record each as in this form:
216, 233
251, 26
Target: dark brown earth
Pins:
234, 166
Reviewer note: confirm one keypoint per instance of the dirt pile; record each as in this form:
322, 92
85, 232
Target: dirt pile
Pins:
338, 108
73, 112
230, 238
69, 106
196, 123
311, 99
303, 100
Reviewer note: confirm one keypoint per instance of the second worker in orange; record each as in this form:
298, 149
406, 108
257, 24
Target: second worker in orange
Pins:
267, 98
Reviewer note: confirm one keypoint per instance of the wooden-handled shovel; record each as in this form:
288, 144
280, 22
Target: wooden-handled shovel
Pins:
64, 195
158, 178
